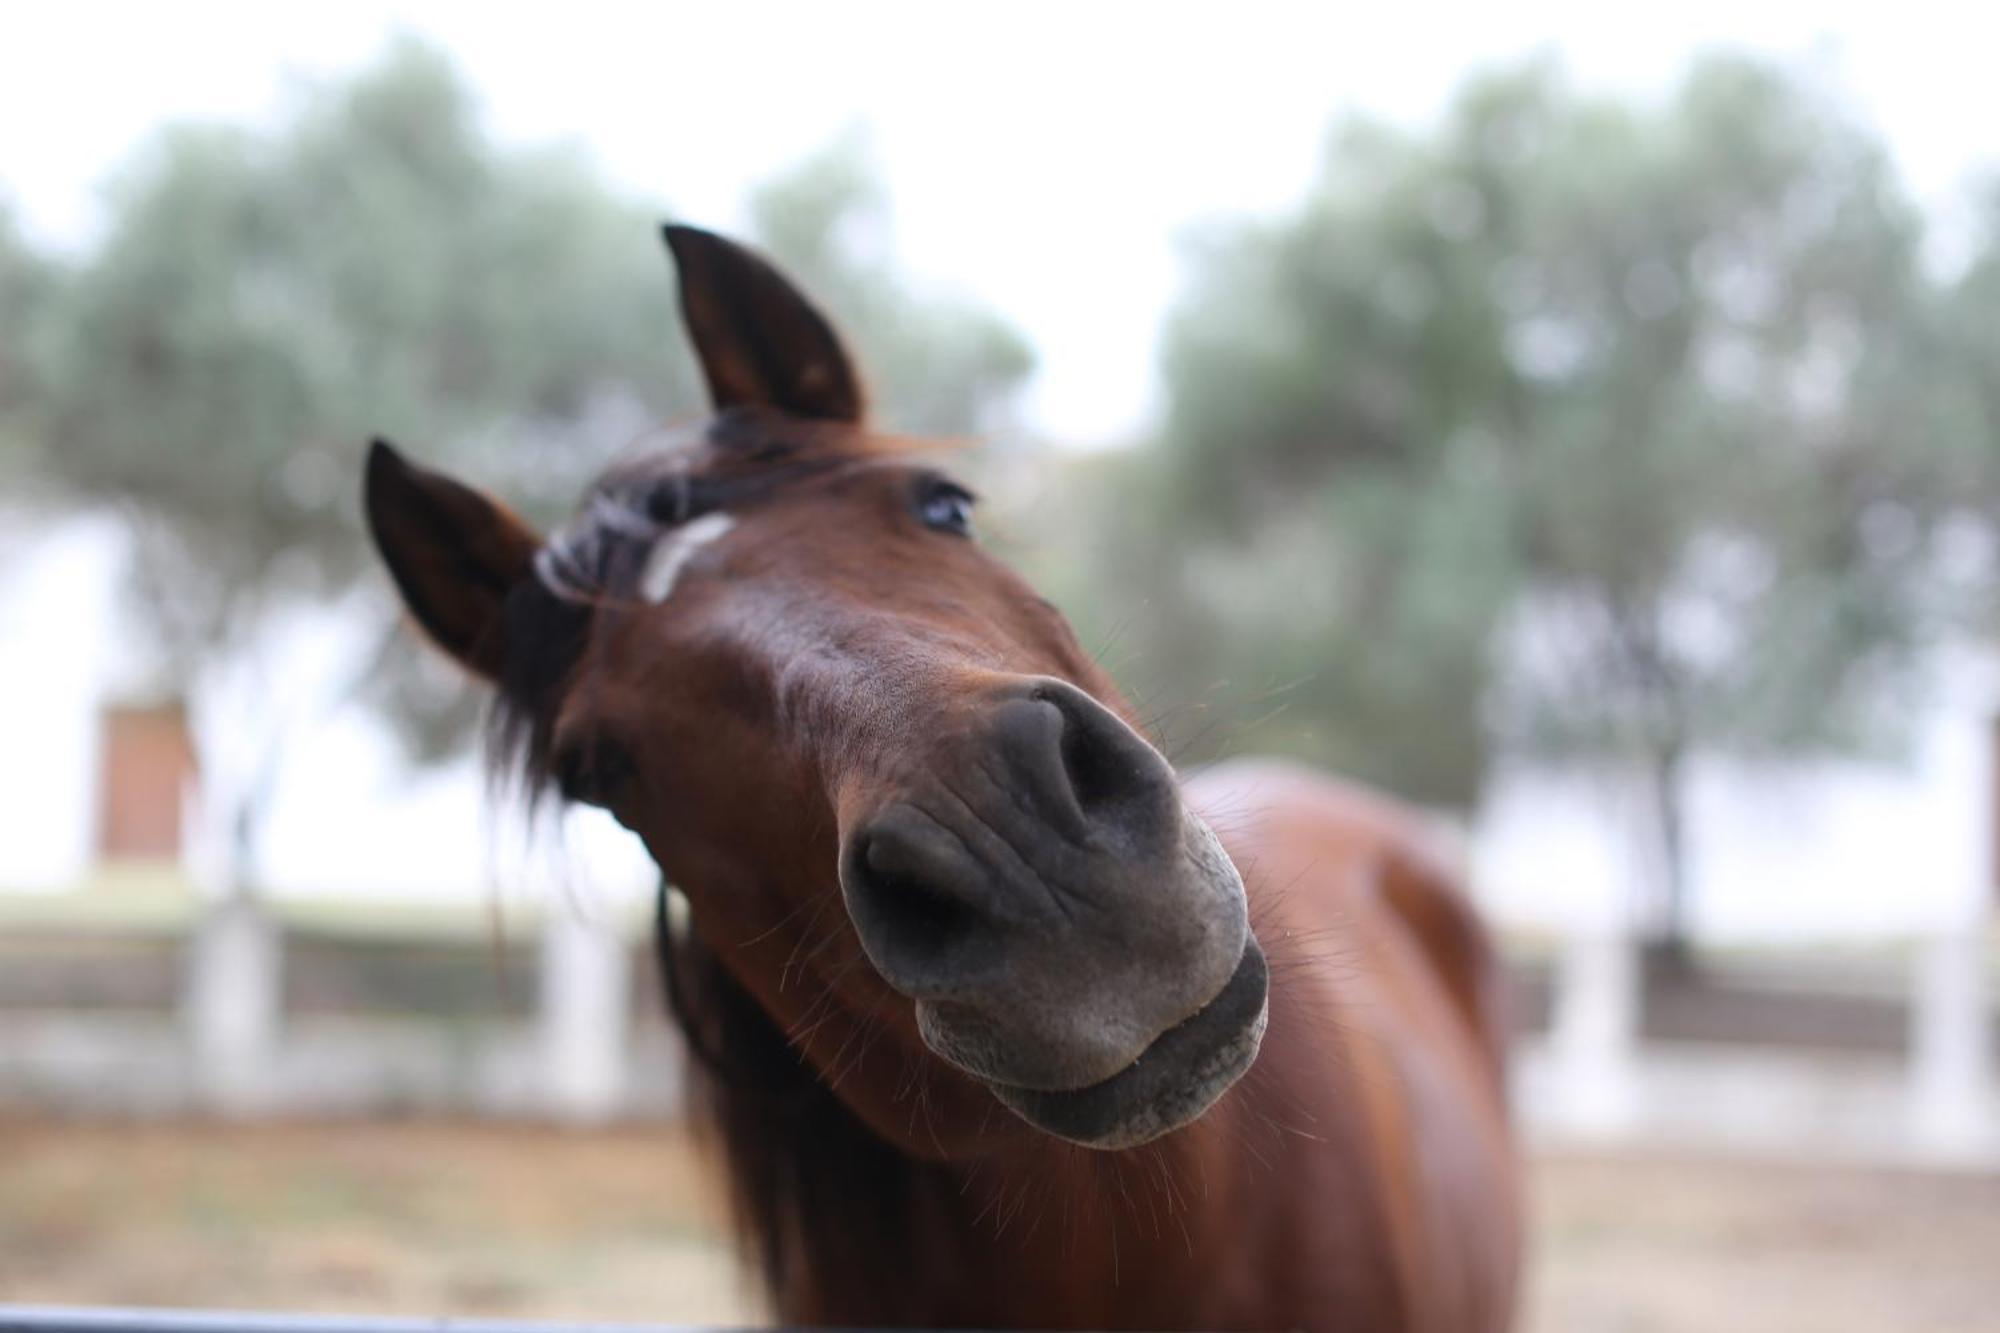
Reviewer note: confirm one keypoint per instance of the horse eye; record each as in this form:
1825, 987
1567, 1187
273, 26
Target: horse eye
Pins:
595, 772
945, 506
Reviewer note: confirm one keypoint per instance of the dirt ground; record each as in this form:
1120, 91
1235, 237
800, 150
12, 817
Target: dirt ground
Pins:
479, 1220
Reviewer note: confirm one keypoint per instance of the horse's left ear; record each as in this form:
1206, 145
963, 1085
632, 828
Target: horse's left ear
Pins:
760, 340
454, 553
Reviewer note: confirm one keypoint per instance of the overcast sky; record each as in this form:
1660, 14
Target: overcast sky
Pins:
1042, 156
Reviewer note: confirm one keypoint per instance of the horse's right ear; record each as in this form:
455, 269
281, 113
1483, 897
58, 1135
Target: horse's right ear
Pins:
453, 552
762, 342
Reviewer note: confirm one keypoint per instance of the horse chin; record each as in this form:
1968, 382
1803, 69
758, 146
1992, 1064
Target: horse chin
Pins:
1179, 1076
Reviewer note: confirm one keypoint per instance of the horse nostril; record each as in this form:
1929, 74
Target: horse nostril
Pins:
915, 908
1098, 773
914, 903
1115, 777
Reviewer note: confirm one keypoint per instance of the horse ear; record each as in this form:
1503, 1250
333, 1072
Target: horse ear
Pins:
760, 340
453, 552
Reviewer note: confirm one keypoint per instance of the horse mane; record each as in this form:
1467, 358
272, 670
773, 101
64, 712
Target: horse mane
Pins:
802, 1170
814, 1194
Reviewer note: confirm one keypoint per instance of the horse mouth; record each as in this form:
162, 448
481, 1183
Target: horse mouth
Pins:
1179, 1075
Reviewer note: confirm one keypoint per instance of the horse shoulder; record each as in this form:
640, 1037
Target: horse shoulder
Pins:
1297, 833
1357, 888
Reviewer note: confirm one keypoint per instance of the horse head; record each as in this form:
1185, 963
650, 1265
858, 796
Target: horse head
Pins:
899, 797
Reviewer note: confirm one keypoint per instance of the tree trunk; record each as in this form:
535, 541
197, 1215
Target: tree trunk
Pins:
1667, 941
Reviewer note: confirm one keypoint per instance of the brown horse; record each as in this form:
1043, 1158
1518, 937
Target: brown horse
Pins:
999, 1022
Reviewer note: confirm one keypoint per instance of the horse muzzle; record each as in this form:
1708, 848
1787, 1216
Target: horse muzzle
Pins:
1071, 934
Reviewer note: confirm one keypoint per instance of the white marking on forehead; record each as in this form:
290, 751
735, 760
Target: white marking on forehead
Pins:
671, 553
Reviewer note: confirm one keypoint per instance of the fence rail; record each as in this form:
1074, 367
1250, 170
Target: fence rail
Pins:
244, 1013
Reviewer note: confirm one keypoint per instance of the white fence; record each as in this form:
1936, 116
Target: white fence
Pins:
1595, 1077
222, 1036
589, 1044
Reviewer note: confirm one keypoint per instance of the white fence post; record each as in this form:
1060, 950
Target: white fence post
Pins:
233, 1000
1950, 1082
1594, 1029
585, 1018
1950, 1074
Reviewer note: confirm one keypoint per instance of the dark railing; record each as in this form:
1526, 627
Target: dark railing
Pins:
83, 1319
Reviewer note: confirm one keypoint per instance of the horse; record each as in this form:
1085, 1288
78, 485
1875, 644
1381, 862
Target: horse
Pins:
994, 1019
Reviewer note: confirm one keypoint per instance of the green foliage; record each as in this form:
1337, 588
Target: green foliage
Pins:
1570, 428
376, 263
264, 302
1963, 419
29, 284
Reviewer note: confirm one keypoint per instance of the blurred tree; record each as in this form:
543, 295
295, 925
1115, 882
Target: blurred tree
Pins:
29, 285
264, 302
1719, 326
1963, 434
1580, 431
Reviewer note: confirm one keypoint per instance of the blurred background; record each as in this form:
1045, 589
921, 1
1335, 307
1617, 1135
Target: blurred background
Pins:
1583, 425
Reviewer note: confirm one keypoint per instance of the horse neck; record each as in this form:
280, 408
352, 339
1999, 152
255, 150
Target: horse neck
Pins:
847, 1228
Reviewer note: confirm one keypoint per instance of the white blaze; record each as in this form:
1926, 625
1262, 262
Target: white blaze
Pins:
672, 552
